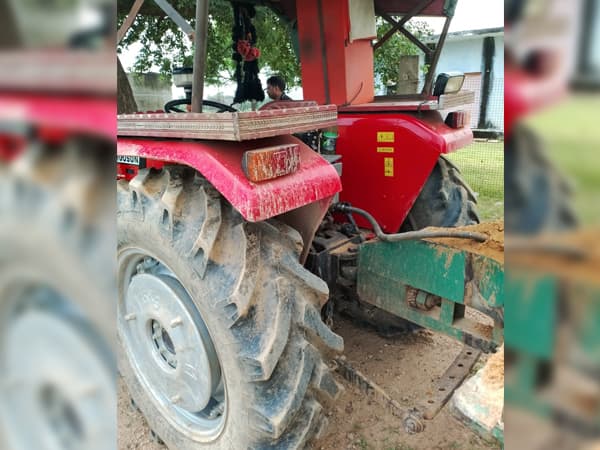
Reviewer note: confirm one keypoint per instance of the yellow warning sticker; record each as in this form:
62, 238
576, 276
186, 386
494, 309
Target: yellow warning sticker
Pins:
385, 149
385, 136
388, 167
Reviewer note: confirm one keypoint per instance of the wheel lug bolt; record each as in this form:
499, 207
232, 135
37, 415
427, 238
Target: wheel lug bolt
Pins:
176, 398
176, 322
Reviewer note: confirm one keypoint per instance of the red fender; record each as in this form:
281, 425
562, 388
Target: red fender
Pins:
85, 114
220, 163
387, 157
525, 94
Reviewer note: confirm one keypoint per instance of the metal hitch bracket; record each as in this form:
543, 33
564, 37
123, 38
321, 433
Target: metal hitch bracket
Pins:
413, 417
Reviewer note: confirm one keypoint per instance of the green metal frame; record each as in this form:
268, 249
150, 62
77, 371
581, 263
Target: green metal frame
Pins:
533, 322
390, 272
531, 315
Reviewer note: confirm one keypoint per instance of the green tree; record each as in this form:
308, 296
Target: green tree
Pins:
387, 56
164, 46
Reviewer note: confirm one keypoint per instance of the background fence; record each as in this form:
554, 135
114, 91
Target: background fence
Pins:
482, 163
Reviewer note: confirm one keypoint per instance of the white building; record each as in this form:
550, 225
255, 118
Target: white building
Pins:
479, 54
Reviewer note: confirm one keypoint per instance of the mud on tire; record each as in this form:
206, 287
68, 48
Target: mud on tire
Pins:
260, 306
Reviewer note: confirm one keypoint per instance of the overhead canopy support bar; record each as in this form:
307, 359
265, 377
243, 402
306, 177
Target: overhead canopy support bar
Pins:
400, 8
428, 87
167, 9
411, 37
433, 54
129, 20
200, 36
412, 13
175, 16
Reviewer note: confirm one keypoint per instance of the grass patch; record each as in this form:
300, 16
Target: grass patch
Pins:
482, 167
362, 443
572, 137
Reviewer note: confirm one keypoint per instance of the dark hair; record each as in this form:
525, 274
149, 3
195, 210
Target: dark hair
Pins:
277, 81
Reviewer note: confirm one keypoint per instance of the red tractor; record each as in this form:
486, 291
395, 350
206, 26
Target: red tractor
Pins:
236, 239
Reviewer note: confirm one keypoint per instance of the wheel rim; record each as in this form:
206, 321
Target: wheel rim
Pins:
169, 347
55, 380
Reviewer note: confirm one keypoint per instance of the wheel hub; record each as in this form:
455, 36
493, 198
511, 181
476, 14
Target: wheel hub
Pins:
170, 342
61, 415
55, 383
163, 343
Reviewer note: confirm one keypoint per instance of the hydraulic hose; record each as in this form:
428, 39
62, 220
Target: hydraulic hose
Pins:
410, 235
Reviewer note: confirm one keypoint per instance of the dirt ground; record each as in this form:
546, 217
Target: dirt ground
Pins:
492, 248
405, 366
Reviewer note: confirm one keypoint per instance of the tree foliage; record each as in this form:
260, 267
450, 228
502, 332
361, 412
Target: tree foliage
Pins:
387, 56
164, 46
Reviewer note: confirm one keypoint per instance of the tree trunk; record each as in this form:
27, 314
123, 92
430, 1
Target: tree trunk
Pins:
125, 100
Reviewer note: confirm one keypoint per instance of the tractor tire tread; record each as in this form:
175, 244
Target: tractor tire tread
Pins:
270, 316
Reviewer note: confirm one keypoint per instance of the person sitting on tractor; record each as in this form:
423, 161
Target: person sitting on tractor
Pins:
275, 88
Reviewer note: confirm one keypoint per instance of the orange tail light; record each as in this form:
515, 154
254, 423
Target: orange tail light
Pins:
271, 162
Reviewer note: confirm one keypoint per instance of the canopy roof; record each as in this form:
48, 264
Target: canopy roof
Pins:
287, 8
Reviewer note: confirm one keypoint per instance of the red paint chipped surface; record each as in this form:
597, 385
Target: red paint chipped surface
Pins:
221, 163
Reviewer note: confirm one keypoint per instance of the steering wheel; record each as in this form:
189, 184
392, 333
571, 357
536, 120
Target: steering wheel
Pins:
172, 105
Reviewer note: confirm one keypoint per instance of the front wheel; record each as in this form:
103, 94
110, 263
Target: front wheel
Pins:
219, 324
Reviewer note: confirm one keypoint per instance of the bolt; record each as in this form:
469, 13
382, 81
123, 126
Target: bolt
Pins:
145, 265
130, 316
156, 438
134, 405
176, 398
216, 411
176, 322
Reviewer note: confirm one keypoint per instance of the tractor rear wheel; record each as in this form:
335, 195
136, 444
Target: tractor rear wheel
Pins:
57, 304
445, 201
538, 197
222, 343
